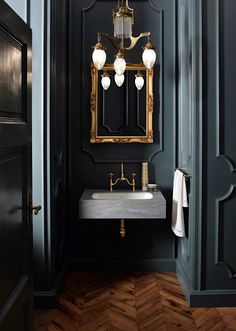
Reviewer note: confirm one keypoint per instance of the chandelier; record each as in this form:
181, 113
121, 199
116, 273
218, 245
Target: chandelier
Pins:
122, 41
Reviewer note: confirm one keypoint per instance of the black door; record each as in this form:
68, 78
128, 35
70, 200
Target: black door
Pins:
15, 172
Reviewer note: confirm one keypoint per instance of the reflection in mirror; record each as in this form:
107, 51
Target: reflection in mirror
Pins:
123, 111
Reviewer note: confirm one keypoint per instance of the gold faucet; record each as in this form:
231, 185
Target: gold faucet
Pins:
122, 178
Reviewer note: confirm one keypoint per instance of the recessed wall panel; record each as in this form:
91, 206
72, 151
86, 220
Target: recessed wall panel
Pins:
227, 79
149, 16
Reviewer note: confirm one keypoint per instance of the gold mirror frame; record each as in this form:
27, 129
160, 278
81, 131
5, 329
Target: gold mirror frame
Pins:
94, 137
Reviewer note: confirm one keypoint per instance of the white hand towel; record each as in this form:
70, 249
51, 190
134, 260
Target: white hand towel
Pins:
179, 201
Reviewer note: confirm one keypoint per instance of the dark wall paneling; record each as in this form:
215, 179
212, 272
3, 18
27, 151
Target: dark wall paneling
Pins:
58, 136
185, 125
209, 278
148, 17
220, 260
126, 117
184, 85
91, 163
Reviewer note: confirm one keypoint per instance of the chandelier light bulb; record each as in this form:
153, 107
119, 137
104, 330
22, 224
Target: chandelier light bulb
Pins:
119, 64
119, 79
149, 58
149, 55
106, 82
99, 56
139, 81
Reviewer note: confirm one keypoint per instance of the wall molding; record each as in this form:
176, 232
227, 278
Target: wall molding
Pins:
48, 299
219, 111
153, 149
191, 269
185, 88
205, 298
219, 241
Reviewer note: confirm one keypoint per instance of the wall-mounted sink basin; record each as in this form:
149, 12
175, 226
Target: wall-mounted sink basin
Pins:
122, 195
102, 204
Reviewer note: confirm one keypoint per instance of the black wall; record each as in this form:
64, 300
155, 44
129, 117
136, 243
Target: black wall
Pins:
148, 244
206, 258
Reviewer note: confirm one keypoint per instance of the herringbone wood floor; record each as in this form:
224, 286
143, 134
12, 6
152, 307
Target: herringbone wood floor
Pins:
129, 302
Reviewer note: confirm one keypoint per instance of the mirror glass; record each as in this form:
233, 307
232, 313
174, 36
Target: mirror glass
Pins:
122, 114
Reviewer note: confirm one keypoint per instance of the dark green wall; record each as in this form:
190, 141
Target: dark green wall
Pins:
148, 244
188, 138
206, 257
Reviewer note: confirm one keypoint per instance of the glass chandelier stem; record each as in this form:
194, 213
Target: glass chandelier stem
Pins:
122, 40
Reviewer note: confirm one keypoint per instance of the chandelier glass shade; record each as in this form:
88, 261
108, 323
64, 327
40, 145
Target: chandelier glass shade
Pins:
139, 81
119, 79
149, 57
106, 81
119, 64
123, 19
99, 56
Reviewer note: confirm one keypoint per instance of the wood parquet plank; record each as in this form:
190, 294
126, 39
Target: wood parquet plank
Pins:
96, 303
176, 310
148, 303
43, 319
229, 316
122, 311
129, 302
208, 319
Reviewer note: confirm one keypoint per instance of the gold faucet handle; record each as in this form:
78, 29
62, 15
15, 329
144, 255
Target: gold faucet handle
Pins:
110, 174
133, 174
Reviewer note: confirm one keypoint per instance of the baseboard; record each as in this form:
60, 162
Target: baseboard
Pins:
205, 298
183, 281
145, 265
48, 299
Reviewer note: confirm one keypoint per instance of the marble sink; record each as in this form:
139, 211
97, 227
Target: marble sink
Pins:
102, 204
122, 195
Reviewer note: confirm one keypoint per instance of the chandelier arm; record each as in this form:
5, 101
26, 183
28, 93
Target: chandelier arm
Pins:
134, 40
117, 45
113, 40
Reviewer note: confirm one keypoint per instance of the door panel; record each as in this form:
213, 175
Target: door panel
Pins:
10, 221
15, 172
10, 84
